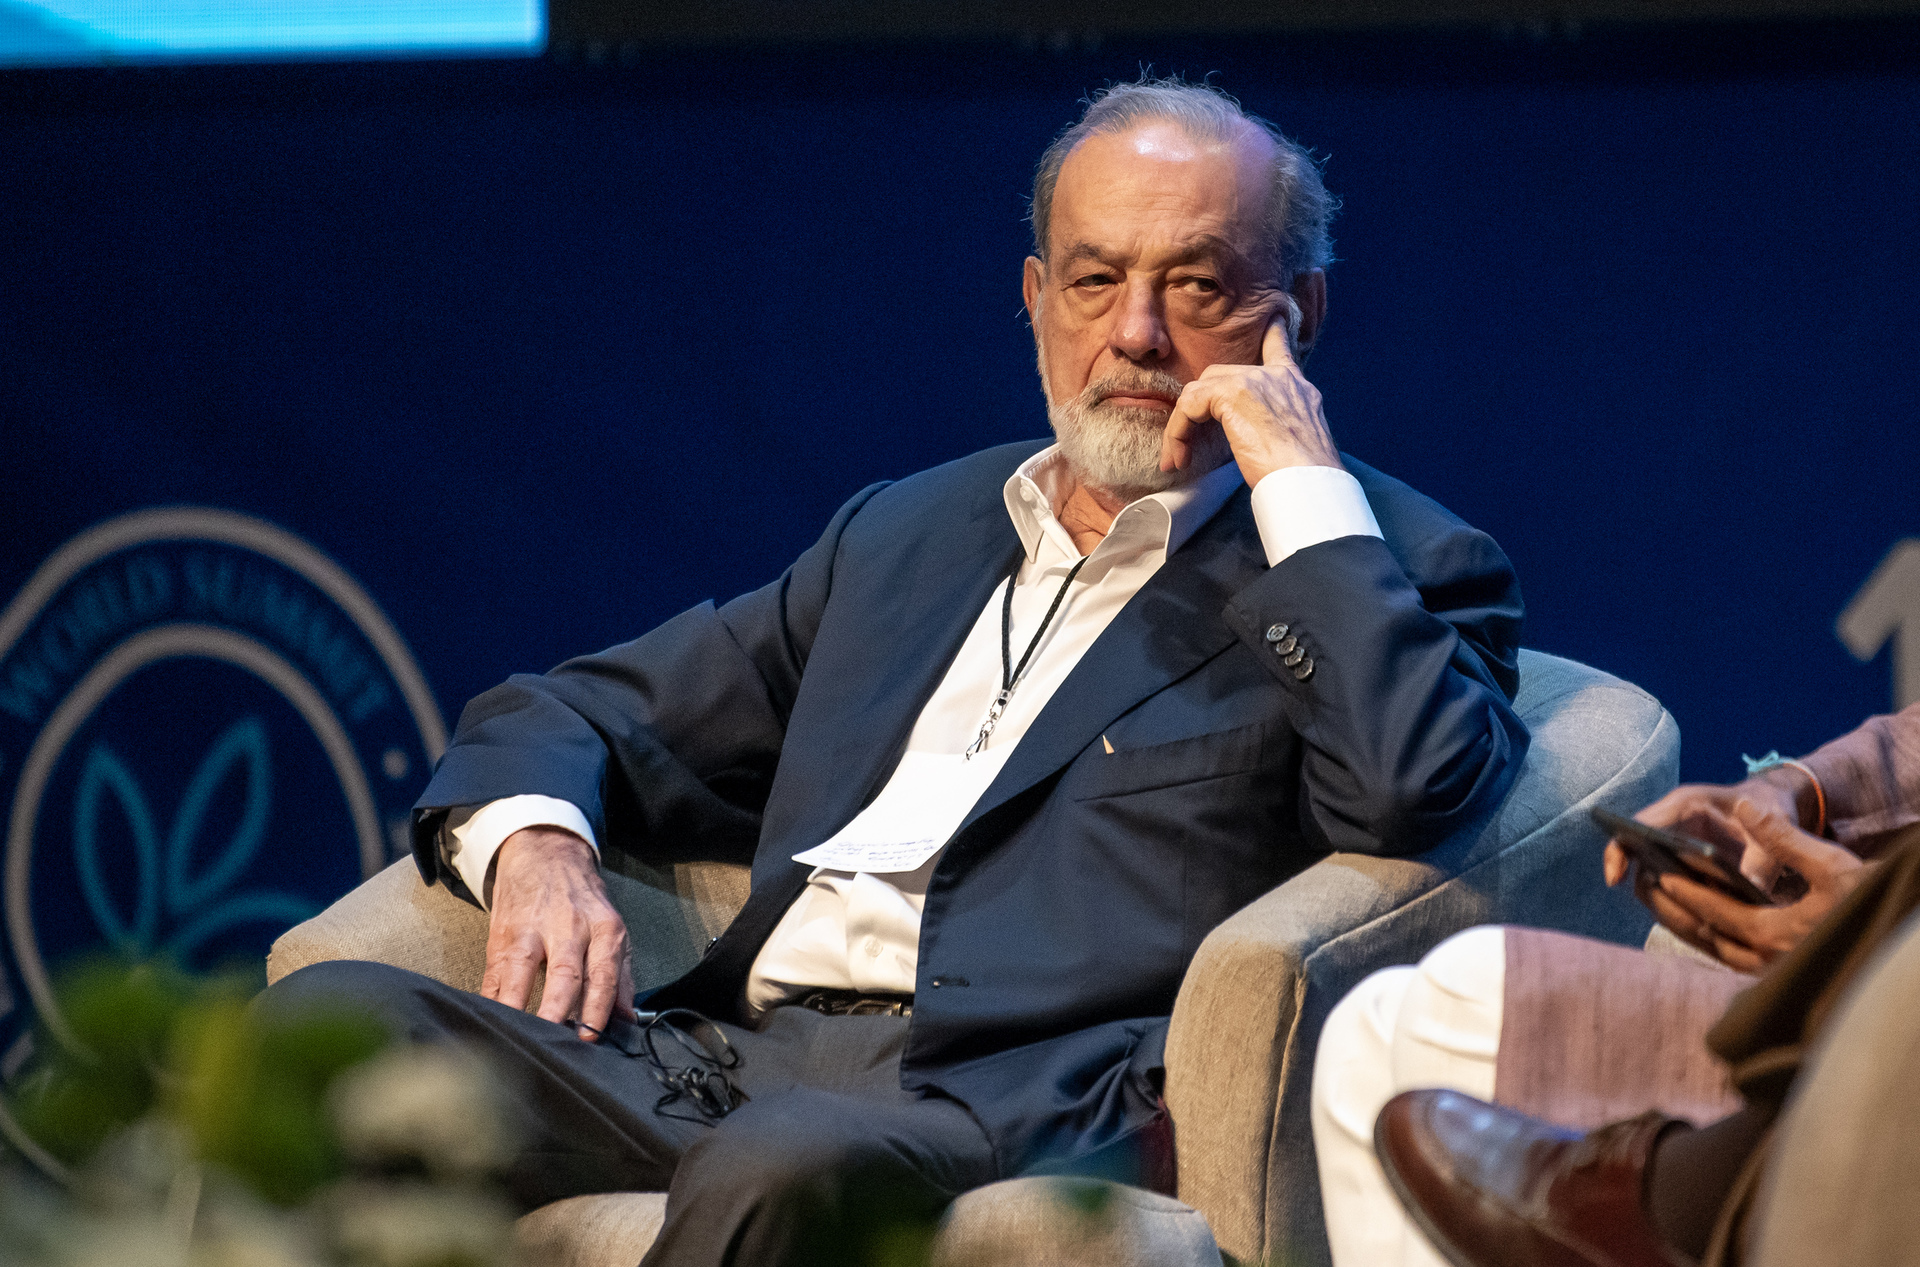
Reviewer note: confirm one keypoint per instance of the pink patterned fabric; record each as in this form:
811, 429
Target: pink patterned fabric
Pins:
1592, 1032
1872, 779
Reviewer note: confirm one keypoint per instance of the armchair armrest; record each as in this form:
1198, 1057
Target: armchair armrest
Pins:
395, 919
1240, 1049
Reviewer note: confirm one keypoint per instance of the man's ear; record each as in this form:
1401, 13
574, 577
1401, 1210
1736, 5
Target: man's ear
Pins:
1309, 290
1030, 279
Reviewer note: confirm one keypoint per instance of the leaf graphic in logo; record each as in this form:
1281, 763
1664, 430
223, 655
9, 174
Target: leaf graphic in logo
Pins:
196, 902
245, 740
105, 774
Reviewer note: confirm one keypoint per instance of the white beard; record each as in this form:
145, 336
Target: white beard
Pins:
1116, 448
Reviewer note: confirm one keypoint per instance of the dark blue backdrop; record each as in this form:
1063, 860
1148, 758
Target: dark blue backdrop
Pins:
543, 353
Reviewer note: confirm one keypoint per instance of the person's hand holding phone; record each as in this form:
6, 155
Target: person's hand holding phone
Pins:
1705, 812
1748, 938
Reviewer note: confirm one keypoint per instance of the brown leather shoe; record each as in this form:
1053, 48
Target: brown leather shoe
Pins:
1495, 1188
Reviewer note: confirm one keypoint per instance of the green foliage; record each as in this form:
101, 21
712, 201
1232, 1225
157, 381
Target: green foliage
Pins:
122, 1018
247, 1088
202, 1129
251, 1091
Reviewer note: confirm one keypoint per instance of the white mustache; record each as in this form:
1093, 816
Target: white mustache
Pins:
1154, 381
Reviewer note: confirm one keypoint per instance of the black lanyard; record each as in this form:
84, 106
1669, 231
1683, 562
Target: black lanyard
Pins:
1010, 672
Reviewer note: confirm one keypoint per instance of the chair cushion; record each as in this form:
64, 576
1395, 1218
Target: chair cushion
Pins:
1060, 1222
1072, 1223
610, 1230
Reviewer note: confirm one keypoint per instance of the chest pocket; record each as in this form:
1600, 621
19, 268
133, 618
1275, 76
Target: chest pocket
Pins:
1219, 754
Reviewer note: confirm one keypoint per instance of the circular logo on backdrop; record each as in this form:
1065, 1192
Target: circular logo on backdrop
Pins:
208, 731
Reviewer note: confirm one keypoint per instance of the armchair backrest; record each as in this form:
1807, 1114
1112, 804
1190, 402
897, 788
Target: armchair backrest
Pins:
1240, 1052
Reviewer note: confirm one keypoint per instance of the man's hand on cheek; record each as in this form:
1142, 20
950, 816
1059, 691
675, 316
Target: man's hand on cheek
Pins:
551, 908
1271, 414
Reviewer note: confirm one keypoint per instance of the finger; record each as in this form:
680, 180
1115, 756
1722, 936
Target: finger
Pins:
513, 959
565, 979
1680, 921
1816, 859
1273, 348
1738, 957
1192, 411
1648, 889
1763, 871
604, 954
1686, 803
1757, 862
1716, 822
1715, 909
1613, 864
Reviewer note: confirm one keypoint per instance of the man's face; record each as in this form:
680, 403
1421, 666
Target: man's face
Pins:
1154, 273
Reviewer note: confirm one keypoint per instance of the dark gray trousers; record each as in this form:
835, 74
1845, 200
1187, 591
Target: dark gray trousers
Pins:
828, 1148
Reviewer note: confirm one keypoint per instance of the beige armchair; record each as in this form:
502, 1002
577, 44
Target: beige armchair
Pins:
1240, 1052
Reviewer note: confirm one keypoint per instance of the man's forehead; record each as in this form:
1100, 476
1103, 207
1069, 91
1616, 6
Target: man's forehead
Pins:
1173, 249
1192, 195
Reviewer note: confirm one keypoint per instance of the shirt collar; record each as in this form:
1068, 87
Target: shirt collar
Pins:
1159, 521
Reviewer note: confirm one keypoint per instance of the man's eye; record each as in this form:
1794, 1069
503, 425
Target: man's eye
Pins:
1205, 285
1093, 281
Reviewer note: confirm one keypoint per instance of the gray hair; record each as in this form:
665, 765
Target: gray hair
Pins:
1298, 204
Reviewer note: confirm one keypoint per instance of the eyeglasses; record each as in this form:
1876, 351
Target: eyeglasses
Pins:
700, 1079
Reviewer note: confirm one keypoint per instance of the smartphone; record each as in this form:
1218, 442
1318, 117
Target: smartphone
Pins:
1664, 852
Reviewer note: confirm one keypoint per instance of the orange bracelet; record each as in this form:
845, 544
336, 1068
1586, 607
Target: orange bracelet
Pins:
1773, 760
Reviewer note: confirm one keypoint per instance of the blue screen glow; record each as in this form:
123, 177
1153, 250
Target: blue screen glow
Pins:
83, 32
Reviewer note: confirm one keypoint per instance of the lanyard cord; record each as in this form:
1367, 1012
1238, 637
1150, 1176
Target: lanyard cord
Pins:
1009, 672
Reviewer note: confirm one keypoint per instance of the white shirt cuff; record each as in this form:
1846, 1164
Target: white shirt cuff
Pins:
1300, 506
474, 833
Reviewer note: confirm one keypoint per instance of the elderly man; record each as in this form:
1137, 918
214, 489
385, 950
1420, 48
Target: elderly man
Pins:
1001, 748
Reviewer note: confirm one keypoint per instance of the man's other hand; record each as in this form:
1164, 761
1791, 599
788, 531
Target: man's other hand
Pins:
1748, 938
551, 907
1271, 414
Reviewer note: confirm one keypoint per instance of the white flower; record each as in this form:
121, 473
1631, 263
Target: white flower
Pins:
118, 1240
236, 1229
437, 1104
413, 1225
137, 1167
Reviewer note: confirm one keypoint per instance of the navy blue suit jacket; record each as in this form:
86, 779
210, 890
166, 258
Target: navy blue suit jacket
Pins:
1064, 912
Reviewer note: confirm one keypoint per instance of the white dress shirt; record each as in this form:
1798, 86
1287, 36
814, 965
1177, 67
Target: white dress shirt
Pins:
861, 931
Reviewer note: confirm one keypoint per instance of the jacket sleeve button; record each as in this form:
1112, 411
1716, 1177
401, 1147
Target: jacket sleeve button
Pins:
1276, 632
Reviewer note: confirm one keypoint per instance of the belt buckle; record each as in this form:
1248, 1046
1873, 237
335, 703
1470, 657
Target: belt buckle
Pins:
853, 1003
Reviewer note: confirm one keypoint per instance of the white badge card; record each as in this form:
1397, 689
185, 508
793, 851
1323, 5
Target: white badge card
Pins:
923, 804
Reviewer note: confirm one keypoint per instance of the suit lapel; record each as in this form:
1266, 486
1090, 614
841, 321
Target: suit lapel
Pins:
927, 597
926, 645
1168, 629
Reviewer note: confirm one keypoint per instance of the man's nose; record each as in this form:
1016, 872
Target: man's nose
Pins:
1140, 327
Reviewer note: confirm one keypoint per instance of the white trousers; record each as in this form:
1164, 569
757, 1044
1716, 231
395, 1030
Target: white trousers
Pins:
1435, 1024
